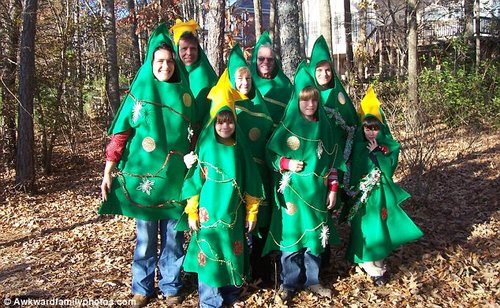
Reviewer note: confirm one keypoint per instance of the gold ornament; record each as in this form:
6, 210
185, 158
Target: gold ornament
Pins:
291, 208
254, 133
293, 143
148, 144
341, 98
186, 99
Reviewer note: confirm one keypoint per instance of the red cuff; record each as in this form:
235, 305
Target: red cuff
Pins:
384, 149
115, 147
284, 164
333, 183
334, 186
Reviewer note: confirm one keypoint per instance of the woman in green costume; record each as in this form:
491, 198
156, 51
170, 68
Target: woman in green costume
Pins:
151, 133
378, 224
269, 78
256, 124
302, 150
194, 63
223, 192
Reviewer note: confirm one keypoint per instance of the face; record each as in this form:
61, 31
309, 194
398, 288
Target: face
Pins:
243, 82
188, 52
308, 108
370, 133
163, 64
323, 74
265, 62
224, 129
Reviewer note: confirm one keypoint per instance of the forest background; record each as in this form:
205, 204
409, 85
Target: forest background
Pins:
64, 65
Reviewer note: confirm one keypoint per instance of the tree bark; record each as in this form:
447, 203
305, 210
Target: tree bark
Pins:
325, 22
215, 27
25, 158
112, 85
272, 18
348, 35
257, 8
136, 55
288, 19
361, 50
477, 32
412, 110
302, 47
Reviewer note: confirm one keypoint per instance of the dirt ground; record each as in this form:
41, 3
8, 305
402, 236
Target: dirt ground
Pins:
54, 246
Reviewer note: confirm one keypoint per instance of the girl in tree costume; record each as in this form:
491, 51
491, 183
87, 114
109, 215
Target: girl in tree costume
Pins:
302, 150
275, 90
153, 129
223, 192
378, 224
201, 74
256, 124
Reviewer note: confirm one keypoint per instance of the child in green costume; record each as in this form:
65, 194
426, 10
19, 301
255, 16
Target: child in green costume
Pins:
302, 150
378, 224
223, 192
151, 133
269, 78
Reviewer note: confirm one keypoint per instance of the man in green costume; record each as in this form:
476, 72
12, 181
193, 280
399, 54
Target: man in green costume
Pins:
151, 133
223, 191
269, 78
303, 151
378, 223
194, 62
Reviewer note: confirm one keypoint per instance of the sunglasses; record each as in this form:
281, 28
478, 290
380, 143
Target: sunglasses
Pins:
261, 59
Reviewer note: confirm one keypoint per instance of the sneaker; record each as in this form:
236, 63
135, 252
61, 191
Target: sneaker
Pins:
320, 290
140, 301
171, 299
379, 280
284, 297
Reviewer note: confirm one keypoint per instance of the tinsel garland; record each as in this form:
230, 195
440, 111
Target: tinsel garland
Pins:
366, 186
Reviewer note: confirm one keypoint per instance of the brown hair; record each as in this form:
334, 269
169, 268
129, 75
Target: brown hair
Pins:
189, 37
308, 93
224, 116
371, 123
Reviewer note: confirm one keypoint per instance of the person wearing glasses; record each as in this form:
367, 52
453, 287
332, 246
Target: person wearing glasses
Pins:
269, 78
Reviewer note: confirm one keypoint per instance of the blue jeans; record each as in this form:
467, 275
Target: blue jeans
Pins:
211, 297
292, 265
146, 258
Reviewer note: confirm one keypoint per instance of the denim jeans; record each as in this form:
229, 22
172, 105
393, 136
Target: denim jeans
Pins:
211, 297
292, 265
146, 258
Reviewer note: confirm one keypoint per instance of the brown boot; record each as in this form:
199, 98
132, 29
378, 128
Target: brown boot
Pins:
139, 301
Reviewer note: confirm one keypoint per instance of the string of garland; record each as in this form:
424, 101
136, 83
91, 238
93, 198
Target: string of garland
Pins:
366, 186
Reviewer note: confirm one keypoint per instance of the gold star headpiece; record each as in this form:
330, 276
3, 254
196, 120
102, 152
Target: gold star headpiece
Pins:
224, 95
181, 27
370, 105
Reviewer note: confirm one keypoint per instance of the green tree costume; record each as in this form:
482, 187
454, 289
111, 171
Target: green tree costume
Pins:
223, 179
301, 219
151, 169
275, 91
256, 124
378, 224
338, 105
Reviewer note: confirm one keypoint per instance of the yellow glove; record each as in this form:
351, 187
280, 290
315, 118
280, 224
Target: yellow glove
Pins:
252, 207
192, 207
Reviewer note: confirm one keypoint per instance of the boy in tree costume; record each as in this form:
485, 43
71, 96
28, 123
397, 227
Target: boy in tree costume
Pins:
378, 224
151, 133
256, 124
303, 149
202, 76
223, 192
274, 85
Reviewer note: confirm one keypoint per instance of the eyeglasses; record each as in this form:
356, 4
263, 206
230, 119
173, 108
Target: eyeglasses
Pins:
261, 59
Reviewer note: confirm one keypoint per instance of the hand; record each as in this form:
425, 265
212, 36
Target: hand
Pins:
105, 186
194, 224
372, 145
250, 225
331, 199
295, 165
190, 159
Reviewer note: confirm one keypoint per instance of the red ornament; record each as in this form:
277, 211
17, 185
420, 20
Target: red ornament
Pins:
383, 213
237, 247
203, 214
202, 259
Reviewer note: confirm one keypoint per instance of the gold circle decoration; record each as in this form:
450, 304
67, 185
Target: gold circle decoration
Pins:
254, 133
148, 144
186, 99
293, 143
341, 98
291, 208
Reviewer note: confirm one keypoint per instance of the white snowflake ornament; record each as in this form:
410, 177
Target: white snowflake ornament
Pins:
324, 235
146, 186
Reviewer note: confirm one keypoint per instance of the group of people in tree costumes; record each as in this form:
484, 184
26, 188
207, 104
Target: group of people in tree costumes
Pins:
251, 164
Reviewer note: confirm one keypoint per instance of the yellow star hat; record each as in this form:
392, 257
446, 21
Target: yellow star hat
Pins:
180, 27
370, 105
224, 95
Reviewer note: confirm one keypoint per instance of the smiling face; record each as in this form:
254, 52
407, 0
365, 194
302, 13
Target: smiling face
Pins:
371, 127
308, 103
163, 64
243, 80
188, 51
323, 73
265, 62
224, 125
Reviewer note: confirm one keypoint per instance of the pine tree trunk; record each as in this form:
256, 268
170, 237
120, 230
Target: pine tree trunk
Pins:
272, 18
288, 19
257, 8
325, 22
412, 65
136, 56
215, 37
348, 35
25, 157
112, 85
